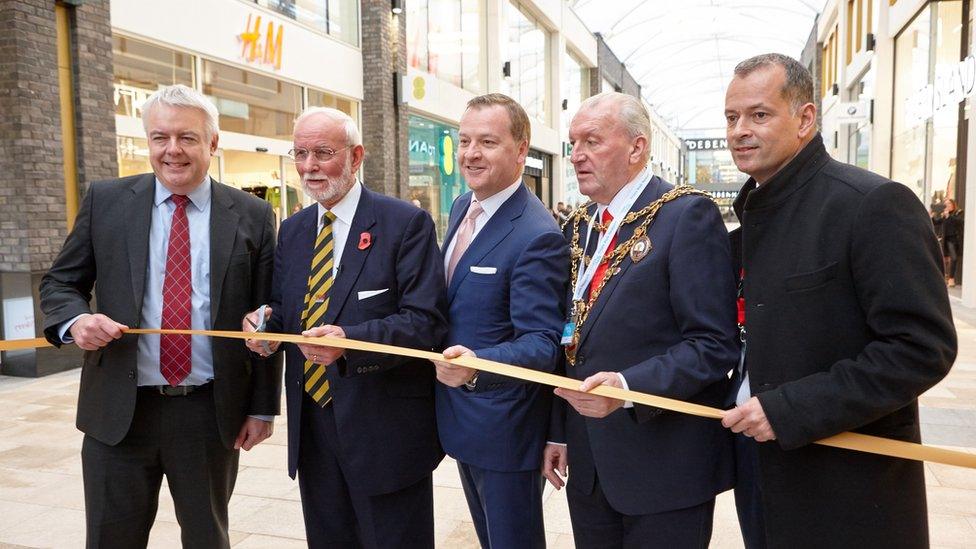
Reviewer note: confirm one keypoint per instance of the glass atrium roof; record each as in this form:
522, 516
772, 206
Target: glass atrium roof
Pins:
682, 52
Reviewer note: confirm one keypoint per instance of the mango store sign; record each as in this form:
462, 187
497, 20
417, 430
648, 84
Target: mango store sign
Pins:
953, 83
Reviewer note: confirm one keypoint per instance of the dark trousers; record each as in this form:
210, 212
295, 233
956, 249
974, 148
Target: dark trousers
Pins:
506, 507
339, 517
596, 525
748, 503
172, 436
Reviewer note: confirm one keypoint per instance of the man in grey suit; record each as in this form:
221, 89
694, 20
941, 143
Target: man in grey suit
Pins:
170, 249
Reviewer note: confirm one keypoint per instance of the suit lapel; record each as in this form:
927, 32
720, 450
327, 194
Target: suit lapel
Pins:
303, 247
653, 191
223, 234
353, 258
138, 219
497, 228
459, 210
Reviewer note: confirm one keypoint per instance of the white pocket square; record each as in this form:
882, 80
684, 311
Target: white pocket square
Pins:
484, 270
370, 293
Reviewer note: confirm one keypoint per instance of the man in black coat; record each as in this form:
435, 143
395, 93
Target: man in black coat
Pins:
847, 317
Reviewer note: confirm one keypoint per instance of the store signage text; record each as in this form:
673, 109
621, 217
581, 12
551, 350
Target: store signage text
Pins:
534, 162
257, 49
421, 147
953, 83
707, 144
445, 158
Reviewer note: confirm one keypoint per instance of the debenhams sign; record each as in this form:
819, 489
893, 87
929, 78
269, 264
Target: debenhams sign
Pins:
707, 144
954, 82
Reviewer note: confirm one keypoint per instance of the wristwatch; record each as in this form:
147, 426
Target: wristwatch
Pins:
471, 383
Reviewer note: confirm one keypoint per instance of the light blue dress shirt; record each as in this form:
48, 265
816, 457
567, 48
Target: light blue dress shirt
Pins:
198, 218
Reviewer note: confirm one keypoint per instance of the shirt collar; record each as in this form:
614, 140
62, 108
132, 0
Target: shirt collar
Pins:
491, 204
345, 208
199, 197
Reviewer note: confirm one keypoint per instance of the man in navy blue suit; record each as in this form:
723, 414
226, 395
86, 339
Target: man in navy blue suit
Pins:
361, 426
507, 265
654, 311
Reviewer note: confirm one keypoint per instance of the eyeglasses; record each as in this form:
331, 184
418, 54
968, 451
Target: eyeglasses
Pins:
323, 154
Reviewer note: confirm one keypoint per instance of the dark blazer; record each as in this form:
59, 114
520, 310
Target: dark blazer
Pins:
848, 322
384, 405
512, 315
667, 323
109, 244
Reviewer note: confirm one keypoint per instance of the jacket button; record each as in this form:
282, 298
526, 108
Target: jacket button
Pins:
132, 374
579, 359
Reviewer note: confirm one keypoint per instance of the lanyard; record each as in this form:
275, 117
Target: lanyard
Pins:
585, 276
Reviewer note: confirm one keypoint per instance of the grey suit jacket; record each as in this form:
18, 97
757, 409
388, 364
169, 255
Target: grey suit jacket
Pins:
109, 245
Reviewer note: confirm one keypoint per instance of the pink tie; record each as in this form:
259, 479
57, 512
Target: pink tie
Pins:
174, 350
464, 235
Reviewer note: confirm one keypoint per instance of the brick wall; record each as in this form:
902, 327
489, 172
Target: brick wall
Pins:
384, 121
32, 195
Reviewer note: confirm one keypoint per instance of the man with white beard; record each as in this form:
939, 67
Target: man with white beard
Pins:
361, 430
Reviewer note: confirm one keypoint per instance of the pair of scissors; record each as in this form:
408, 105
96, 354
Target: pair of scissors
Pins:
261, 327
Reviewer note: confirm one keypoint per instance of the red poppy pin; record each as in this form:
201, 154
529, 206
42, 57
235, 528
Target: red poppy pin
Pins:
365, 240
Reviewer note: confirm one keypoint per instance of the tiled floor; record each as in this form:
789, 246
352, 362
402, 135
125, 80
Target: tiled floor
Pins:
41, 501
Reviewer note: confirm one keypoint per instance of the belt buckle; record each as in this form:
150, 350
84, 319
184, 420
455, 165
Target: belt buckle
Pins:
179, 390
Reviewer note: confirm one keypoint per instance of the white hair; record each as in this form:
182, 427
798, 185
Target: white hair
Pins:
182, 96
631, 113
353, 137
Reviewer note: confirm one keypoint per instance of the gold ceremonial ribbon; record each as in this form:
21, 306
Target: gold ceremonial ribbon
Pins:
848, 441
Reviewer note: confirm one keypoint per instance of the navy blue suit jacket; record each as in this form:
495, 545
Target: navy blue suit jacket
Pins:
384, 405
667, 323
514, 315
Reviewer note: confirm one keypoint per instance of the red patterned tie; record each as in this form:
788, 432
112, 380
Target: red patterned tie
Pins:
601, 271
174, 350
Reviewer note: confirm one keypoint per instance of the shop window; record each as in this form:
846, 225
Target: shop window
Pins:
435, 180
924, 131
252, 103
829, 64
575, 81
337, 18
141, 68
859, 134
526, 51
860, 23
260, 174
444, 39
318, 98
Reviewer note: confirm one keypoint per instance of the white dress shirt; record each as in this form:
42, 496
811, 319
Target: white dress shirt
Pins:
489, 206
618, 207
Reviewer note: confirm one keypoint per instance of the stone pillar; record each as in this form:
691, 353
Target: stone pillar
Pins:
33, 211
384, 119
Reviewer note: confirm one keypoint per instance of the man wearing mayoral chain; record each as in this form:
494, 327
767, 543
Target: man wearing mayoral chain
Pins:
653, 310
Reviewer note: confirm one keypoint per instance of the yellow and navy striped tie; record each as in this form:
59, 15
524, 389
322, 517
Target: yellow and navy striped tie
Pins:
316, 303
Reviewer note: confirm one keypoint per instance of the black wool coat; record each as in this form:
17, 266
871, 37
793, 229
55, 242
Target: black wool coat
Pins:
848, 322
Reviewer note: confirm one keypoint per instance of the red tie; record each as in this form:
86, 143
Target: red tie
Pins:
601, 271
174, 350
